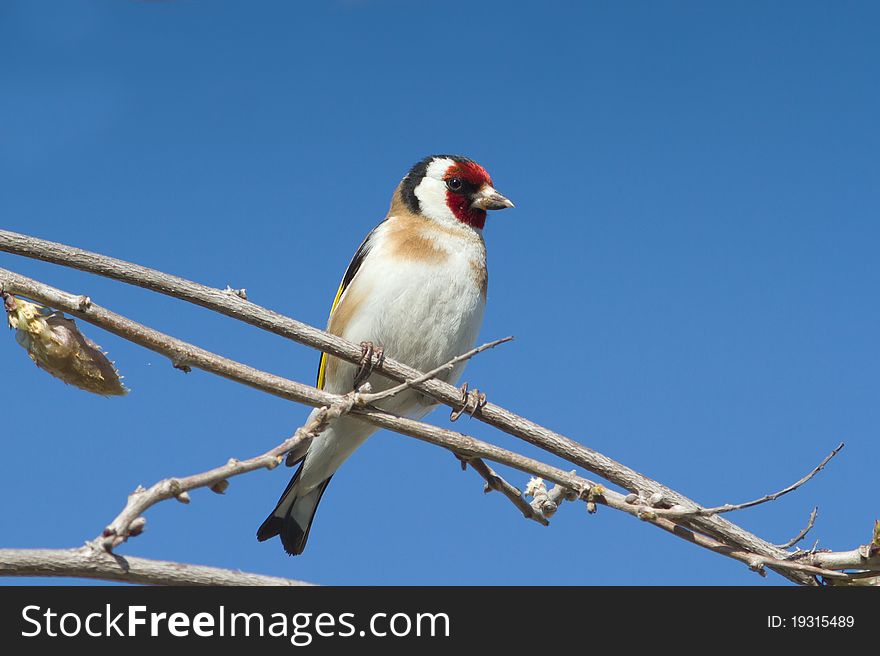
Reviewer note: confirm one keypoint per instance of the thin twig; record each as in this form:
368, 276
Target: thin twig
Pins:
679, 513
393, 391
800, 536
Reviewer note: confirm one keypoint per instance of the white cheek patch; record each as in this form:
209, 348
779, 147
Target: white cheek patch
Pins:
431, 192
432, 199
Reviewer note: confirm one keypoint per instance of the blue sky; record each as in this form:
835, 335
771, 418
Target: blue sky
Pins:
690, 272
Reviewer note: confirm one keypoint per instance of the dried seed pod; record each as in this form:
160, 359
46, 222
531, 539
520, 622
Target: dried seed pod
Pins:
56, 345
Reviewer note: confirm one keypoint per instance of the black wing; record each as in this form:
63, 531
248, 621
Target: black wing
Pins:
353, 268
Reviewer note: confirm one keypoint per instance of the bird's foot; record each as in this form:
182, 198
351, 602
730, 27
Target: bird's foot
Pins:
367, 364
472, 401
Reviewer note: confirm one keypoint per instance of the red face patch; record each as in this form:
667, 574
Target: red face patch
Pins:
472, 177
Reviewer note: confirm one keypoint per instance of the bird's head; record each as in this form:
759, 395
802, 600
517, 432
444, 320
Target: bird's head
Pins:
451, 188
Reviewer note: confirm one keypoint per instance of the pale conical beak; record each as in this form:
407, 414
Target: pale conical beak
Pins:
489, 199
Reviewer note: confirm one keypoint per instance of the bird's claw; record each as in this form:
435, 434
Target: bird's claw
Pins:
472, 401
367, 365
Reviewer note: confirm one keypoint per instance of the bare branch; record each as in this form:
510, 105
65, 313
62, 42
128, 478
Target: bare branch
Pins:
463, 445
753, 561
130, 521
466, 447
703, 526
181, 351
234, 306
841, 560
94, 563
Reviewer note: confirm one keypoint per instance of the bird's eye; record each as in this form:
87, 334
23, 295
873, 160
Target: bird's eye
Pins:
454, 184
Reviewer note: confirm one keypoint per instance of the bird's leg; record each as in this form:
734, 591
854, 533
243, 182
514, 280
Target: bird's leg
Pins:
472, 401
366, 366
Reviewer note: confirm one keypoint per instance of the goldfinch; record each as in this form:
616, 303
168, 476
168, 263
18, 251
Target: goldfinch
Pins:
416, 289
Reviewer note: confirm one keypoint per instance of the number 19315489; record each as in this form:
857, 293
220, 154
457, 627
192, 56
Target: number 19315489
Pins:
811, 622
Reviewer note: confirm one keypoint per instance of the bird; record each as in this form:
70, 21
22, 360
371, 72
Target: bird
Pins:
415, 291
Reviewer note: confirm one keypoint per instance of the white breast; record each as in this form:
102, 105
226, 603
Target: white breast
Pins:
423, 312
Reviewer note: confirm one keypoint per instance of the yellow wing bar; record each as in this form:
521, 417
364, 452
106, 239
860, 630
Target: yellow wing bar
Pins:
353, 267
323, 364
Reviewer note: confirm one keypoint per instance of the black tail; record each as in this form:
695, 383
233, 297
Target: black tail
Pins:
293, 516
